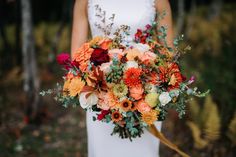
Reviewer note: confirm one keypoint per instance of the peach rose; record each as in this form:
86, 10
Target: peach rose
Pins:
103, 102
82, 56
133, 53
106, 100
148, 56
142, 106
116, 53
136, 92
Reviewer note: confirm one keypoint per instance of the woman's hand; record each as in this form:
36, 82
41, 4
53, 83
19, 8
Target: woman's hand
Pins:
80, 25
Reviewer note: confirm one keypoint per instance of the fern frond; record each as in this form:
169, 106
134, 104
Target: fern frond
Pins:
212, 122
199, 143
194, 110
231, 133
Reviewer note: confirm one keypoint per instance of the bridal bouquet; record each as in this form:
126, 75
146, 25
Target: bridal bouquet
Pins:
130, 83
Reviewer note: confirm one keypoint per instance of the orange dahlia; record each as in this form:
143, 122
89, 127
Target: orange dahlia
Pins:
126, 105
116, 116
75, 86
82, 56
150, 117
66, 87
132, 77
154, 78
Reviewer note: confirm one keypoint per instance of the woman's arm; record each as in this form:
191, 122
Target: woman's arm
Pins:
80, 25
161, 7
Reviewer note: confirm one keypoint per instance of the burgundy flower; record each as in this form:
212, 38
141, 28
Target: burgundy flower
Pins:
138, 34
103, 114
74, 63
99, 56
148, 26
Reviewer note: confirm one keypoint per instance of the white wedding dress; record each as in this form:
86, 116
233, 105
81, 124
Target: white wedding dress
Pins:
136, 14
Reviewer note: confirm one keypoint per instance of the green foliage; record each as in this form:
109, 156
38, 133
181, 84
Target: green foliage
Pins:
116, 72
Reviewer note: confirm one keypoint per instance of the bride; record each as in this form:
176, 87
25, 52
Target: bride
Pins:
136, 14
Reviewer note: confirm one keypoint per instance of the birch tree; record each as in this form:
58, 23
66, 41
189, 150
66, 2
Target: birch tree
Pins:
31, 80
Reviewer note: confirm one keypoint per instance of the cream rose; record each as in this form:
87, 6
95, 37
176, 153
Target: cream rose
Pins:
164, 98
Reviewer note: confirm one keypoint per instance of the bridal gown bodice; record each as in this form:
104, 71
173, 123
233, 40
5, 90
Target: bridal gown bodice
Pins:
136, 14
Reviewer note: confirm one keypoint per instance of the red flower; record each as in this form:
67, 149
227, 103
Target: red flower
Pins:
143, 39
99, 56
103, 114
138, 33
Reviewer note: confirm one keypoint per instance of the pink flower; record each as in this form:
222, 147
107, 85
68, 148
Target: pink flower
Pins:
148, 56
64, 59
136, 92
142, 106
119, 53
105, 67
191, 80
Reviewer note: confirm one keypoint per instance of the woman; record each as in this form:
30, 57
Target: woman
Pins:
136, 14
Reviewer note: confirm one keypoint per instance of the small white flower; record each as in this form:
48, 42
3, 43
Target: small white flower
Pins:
88, 102
131, 64
174, 93
141, 47
164, 98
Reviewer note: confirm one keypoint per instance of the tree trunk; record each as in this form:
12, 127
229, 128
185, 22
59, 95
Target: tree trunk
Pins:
18, 34
181, 17
31, 80
215, 9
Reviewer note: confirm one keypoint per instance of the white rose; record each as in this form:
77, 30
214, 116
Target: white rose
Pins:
131, 64
91, 100
105, 67
141, 47
164, 98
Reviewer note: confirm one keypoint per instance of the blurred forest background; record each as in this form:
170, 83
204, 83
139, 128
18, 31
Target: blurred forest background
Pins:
33, 32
